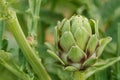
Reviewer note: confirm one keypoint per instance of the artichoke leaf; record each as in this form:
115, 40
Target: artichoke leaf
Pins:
67, 40
76, 54
103, 43
81, 37
55, 56
71, 68
92, 44
93, 69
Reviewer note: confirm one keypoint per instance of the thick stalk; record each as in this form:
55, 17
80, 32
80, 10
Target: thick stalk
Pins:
78, 75
28, 52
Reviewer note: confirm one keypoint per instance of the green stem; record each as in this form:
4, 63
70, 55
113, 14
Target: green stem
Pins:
34, 11
16, 72
79, 75
36, 14
28, 52
118, 51
41, 34
1, 33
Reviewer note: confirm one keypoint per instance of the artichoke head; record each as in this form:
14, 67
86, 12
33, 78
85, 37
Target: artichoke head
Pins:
78, 43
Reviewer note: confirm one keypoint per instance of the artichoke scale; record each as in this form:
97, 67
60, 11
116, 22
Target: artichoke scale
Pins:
76, 54
92, 45
67, 41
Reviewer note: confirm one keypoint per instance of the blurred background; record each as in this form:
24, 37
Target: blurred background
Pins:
107, 12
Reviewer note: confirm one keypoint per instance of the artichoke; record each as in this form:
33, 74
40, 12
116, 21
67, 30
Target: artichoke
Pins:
78, 43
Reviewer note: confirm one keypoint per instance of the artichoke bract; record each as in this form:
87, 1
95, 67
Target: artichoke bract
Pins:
78, 43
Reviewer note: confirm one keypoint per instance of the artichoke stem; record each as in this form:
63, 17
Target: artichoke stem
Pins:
78, 75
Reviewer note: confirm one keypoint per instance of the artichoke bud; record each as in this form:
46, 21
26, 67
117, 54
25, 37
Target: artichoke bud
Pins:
78, 43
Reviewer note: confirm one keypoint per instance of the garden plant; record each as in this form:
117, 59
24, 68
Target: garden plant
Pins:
59, 40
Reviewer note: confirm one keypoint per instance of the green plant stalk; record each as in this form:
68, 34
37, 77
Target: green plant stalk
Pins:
36, 14
28, 52
118, 51
34, 10
79, 75
16, 72
1, 33
41, 33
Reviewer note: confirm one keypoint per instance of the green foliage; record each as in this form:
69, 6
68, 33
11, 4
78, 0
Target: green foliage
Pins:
106, 12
